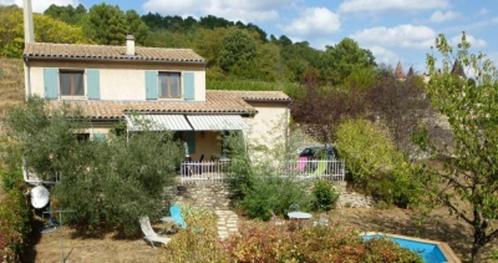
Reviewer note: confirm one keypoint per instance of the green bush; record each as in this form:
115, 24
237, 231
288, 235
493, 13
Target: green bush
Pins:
15, 218
240, 172
376, 166
270, 243
273, 195
324, 195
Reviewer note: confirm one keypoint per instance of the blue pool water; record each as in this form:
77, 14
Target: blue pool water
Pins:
430, 253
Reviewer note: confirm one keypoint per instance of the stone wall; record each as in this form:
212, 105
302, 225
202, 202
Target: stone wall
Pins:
216, 196
205, 194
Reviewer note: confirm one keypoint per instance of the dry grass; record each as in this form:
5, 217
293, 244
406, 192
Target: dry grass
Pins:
93, 249
11, 83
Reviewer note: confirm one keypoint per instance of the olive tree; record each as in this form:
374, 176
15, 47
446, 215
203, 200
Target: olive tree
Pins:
470, 173
108, 183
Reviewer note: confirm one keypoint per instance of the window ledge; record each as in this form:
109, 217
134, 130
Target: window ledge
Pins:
73, 98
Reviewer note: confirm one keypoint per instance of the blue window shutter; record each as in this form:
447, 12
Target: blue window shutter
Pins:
99, 137
151, 85
190, 138
188, 85
93, 84
51, 83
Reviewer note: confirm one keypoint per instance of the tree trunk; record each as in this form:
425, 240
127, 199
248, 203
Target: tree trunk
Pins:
479, 242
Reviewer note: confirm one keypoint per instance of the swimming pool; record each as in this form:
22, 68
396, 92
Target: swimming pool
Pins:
430, 251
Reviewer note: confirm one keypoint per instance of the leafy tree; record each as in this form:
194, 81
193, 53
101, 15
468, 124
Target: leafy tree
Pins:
339, 61
299, 58
109, 183
239, 47
106, 24
212, 22
376, 166
209, 43
67, 14
401, 105
47, 29
136, 26
321, 110
469, 177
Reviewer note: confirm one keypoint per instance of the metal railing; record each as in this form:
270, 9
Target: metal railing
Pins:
312, 169
216, 171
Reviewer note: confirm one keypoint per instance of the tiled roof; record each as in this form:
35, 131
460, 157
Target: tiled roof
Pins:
110, 53
217, 102
257, 96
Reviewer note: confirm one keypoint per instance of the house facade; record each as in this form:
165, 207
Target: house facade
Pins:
163, 87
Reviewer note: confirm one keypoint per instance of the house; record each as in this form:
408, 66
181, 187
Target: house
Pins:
164, 87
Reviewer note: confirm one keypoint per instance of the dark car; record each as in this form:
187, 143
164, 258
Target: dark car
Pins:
319, 152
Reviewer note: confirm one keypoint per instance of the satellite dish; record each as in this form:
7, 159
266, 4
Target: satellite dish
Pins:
40, 197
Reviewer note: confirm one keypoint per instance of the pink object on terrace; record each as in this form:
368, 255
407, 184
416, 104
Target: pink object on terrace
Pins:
301, 163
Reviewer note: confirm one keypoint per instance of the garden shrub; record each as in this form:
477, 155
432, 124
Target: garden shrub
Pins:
240, 172
324, 195
199, 242
269, 243
375, 165
273, 195
15, 218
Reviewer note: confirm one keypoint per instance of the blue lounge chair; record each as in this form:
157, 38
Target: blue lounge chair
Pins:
175, 216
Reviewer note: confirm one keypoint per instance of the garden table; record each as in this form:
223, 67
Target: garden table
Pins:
299, 215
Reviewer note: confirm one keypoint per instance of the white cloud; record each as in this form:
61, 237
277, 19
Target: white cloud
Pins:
474, 42
40, 5
384, 56
390, 5
314, 21
406, 36
441, 16
247, 11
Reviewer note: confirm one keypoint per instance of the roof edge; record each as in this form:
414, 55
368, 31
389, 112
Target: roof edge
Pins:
28, 58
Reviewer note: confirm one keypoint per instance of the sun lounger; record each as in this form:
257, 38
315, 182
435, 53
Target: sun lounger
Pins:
175, 217
149, 234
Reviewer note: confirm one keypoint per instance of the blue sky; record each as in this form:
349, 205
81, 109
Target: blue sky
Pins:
395, 30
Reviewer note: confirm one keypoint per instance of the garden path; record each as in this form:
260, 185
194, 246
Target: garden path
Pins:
227, 223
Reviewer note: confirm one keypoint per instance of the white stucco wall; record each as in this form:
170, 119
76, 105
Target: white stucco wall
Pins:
117, 82
269, 127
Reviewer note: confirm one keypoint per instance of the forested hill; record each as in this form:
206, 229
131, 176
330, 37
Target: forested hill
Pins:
241, 56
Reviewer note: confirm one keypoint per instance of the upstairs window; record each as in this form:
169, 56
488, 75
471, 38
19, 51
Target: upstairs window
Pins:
169, 85
71, 83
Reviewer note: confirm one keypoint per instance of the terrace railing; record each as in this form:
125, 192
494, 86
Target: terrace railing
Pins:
216, 171
208, 171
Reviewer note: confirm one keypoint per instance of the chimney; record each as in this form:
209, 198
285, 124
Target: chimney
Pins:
28, 22
130, 45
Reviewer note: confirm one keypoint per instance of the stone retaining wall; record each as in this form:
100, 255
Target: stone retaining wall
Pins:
216, 196
209, 195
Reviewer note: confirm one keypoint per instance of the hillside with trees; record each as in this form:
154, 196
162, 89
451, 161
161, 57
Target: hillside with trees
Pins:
237, 53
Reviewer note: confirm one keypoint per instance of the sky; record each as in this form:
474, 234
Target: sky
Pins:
394, 30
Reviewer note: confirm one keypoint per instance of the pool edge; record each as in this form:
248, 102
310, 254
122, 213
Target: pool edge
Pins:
443, 246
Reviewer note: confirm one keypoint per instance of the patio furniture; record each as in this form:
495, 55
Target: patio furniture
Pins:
301, 164
149, 234
175, 217
320, 169
297, 215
